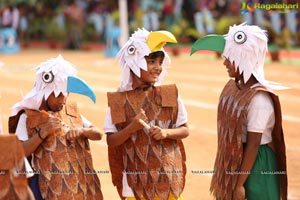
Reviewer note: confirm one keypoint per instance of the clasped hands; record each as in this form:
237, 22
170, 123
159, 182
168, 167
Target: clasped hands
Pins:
54, 124
154, 131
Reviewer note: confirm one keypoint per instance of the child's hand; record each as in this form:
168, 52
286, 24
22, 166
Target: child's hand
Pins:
136, 120
239, 193
52, 125
157, 133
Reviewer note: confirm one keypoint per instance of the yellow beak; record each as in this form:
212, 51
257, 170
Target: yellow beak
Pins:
157, 40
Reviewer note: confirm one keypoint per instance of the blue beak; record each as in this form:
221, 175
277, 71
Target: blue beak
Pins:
79, 86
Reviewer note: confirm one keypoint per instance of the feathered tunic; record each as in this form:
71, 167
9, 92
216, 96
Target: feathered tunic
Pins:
233, 104
153, 167
65, 168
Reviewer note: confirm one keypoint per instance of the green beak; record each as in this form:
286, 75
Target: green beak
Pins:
79, 86
209, 42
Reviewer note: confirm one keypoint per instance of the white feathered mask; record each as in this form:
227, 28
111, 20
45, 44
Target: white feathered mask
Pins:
55, 75
244, 45
132, 54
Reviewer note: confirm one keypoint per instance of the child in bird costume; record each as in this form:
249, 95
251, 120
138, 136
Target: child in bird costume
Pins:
251, 159
145, 123
56, 135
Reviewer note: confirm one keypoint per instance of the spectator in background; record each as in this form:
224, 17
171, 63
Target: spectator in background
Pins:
75, 21
168, 13
10, 17
276, 22
151, 16
23, 25
234, 8
204, 20
292, 22
220, 8
95, 17
133, 8
259, 18
177, 10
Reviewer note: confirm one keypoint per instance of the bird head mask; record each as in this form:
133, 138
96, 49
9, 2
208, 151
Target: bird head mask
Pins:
132, 54
246, 46
55, 75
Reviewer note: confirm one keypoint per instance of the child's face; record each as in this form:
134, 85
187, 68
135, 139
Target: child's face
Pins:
231, 70
56, 103
154, 69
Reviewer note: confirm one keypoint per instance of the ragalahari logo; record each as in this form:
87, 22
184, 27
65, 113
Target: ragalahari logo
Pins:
269, 7
246, 8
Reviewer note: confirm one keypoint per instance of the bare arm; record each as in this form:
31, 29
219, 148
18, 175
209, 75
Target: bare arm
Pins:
115, 139
118, 138
249, 157
92, 133
32, 143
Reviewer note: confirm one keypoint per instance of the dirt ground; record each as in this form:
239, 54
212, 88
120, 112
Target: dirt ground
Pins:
200, 80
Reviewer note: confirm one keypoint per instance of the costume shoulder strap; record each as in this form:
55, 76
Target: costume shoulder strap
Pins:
71, 115
169, 95
279, 144
116, 101
72, 109
13, 122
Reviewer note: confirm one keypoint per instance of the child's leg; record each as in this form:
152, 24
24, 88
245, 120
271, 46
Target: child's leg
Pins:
35, 188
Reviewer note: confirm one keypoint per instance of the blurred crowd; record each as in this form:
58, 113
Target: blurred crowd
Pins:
74, 21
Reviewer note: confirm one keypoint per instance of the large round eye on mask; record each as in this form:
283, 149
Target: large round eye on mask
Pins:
131, 49
48, 77
240, 37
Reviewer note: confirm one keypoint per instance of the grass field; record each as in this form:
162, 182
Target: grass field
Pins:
200, 80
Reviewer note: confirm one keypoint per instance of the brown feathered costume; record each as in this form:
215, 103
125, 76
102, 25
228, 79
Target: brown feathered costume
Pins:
13, 179
232, 107
153, 167
65, 169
